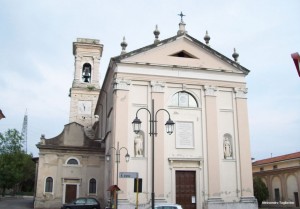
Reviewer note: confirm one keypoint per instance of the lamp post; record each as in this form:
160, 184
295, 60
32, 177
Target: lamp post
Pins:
136, 123
117, 152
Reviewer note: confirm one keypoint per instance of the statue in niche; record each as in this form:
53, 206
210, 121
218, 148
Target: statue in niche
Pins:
227, 146
139, 145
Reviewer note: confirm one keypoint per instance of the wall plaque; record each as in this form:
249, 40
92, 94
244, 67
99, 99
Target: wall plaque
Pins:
185, 135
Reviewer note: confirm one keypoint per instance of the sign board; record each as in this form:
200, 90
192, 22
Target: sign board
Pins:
138, 185
129, 175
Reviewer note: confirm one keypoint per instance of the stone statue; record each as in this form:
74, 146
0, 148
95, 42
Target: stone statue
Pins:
227, 146
139, 145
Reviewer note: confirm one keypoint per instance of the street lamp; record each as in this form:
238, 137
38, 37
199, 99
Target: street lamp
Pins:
127, 157
136, 123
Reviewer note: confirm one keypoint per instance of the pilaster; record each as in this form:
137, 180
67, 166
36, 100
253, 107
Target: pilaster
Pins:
244, 142
157, 93
120, 121
213, 158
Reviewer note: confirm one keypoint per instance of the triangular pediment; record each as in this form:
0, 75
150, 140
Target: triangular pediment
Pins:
182, 51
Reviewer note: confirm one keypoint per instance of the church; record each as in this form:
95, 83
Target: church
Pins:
172, 114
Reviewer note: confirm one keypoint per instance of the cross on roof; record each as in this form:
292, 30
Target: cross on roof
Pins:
181, 15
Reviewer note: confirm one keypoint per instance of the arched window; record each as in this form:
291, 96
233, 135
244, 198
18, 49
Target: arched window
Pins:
92, 186
49, 184
183, 99
72, 161
86, 73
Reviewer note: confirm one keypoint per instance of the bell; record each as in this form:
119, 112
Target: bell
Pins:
86, 75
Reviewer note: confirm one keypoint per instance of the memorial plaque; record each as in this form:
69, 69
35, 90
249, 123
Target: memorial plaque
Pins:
185, 135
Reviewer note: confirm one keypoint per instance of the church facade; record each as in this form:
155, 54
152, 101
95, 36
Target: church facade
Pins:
204, 163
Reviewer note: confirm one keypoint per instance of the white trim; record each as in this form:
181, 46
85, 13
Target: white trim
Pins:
64, 189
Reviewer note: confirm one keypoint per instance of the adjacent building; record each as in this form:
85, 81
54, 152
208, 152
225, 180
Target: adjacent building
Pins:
281, 175
71, 164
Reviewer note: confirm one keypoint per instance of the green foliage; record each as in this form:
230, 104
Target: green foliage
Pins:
10, 141
260, 190
15, 165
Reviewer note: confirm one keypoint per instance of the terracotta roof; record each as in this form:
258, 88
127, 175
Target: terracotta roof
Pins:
277, 159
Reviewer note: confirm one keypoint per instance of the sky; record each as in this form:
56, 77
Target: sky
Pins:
37, 64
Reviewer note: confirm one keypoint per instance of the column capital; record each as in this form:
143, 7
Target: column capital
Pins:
121, 84
158, 86
96, 58
210, 90
241, 93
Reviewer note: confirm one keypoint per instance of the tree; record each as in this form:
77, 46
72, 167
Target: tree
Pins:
260, 190
15, 165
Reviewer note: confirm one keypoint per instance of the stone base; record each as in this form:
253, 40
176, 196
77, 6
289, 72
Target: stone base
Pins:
244, 203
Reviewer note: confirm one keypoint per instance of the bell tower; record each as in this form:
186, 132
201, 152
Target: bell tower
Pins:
85, 87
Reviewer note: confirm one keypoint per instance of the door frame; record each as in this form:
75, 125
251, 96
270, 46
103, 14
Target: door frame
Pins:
70, 182
189, 166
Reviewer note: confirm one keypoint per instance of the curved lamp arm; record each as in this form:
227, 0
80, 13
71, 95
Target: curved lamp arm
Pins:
169, 124
136, 123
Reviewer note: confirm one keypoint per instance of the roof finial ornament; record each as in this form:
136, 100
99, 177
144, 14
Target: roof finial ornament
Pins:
181, 25
181, 15
156, 34
123, 45
207, 38
235, 55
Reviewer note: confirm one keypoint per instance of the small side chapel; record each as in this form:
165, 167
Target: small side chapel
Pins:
204, 163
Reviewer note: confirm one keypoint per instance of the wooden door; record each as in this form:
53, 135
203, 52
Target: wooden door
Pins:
186, 189
71, 191
296, 199
277, 195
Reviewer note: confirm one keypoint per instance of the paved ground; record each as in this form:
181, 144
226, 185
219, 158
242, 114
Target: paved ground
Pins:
16, 203
27, 203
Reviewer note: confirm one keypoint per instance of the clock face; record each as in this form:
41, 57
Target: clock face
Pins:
84, 107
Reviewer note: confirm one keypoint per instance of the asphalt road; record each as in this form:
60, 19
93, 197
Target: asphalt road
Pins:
16, 203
